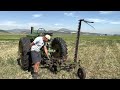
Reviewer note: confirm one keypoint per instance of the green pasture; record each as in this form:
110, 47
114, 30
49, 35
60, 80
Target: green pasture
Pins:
67, 37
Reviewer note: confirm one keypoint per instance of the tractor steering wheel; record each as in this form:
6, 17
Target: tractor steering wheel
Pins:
41, 29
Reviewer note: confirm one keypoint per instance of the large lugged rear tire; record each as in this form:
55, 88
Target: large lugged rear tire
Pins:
24, 53
60, 47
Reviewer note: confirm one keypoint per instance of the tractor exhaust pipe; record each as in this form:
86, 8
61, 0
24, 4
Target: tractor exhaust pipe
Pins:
32, 28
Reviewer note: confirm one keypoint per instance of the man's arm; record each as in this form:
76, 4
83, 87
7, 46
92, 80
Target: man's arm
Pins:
32, 44
46, 51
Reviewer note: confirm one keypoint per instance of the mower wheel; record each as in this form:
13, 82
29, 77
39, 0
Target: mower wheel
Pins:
81, 73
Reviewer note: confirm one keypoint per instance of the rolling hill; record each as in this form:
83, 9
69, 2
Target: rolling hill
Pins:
4, 32
19, 31
59, 31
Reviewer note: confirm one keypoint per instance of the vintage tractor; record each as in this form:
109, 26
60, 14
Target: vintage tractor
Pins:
57, 49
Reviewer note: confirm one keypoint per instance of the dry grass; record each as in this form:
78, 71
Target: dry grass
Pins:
101, 61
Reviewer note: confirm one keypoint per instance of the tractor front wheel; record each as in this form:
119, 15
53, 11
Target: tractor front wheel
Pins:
60, 47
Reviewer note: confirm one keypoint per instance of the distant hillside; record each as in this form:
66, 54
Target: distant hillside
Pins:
3, 31
59, 31
19, 31
62, 30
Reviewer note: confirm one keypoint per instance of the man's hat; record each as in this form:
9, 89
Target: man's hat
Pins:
48, 37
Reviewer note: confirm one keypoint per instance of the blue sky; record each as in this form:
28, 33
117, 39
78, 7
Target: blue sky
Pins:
105, 21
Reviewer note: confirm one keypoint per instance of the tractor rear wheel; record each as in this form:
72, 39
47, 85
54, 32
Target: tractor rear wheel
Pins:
60, 47
24, 53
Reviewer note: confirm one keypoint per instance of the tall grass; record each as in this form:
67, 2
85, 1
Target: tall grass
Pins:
100, 56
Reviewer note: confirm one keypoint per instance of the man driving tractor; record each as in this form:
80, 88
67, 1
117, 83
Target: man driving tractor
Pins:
36, 45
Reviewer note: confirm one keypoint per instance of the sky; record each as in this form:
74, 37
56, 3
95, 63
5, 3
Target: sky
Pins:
106, 22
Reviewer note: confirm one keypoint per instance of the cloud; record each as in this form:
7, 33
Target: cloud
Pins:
113, 22
8, 23
71, 14
33, 24
37, 15
13, 25
58, 24
105, 12
97, 20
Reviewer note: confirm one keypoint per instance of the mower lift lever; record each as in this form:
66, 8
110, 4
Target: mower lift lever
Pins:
78, 35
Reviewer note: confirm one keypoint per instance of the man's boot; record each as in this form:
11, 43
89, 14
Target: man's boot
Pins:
35, 75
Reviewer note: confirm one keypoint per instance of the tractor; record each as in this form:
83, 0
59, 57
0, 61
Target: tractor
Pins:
57, 49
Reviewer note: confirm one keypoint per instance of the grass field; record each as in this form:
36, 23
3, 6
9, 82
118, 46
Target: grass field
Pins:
99, 55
